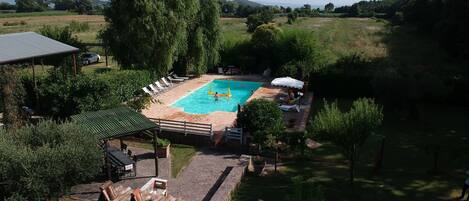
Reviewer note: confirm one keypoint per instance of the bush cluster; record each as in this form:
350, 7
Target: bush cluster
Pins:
286, 52
61, 97
22, 22
42, 162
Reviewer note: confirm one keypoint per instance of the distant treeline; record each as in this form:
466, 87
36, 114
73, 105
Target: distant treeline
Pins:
80, 6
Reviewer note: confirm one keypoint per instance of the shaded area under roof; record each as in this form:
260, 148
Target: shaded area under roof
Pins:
27, 45
114, 123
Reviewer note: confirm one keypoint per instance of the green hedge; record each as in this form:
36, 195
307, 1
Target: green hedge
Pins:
43, 162
61, 96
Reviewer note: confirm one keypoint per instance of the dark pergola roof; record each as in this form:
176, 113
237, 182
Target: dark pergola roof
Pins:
114, 123
28, 45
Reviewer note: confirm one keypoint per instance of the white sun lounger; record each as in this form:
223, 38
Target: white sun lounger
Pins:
154, 88
166, 82
178, 77
160, 86
175, 79
287, 108
151, 93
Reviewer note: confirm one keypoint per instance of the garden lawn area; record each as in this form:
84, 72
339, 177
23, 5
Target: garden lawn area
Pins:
181, 155
407, 166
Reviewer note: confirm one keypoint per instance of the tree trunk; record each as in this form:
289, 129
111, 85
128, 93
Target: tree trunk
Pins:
352, 166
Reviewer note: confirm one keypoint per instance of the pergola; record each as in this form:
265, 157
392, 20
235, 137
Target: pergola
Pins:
26, 47
117, 123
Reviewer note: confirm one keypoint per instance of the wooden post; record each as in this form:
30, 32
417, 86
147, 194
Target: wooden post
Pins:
106, 158
105, 55
155, 152
74, 64
121, 143
36, 94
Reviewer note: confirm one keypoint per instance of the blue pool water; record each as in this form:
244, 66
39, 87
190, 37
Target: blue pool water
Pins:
200, 102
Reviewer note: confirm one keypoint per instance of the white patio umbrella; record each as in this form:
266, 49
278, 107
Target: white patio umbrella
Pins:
288, 82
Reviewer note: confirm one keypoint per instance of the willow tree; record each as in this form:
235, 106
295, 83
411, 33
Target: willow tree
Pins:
145, 33
154, 35
203, 39
11, 94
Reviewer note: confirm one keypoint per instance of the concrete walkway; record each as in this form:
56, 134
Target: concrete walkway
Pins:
204, 178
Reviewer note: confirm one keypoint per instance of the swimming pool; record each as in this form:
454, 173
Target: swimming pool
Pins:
200, 102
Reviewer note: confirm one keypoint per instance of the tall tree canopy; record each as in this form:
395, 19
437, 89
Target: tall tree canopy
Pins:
31, 5
154, 35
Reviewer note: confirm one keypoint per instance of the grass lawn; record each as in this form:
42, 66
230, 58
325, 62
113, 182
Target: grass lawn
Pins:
406, 173
181, 155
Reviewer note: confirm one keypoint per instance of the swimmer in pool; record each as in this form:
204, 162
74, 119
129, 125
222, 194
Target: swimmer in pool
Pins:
216, 96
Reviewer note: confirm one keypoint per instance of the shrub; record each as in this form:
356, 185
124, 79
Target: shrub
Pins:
263, 119
76, 26
263, 17
42, 162
126, 84
22, 22
161, 142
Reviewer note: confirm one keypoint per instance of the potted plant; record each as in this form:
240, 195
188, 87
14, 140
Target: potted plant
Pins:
256, 165
163, 150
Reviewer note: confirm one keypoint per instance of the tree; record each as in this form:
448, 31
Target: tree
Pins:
64, 4
292, 16
30, 5
264, 40
329, 7
83, 6
43, 162
348, 130
64, 35
11, 93
254, 20
153, 35
262, 119
203, 37
7, 6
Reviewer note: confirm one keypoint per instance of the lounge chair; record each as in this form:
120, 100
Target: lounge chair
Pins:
115, 194
166, 82
160, 86
220, 71
154, 88
151, 93
287, 108
175, 79
179, 77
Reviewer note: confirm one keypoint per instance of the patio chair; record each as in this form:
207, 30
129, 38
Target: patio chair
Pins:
151, 93
160, 86
175, 79
220, 71
166, 82
178, 77
154, 88
287, 108
115, 194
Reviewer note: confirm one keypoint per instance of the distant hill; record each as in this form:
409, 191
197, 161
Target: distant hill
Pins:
248, 3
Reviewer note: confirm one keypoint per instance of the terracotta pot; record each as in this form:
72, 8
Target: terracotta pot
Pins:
164, 152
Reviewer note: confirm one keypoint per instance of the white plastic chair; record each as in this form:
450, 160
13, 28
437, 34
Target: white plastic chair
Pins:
287, 108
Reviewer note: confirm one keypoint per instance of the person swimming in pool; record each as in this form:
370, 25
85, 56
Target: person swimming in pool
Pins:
216, 96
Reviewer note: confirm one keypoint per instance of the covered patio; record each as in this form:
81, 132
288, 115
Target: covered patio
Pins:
115, 124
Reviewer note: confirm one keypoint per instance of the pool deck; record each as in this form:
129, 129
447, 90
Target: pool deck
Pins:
162, 108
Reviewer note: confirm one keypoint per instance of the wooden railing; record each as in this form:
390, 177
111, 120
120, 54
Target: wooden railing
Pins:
184, 127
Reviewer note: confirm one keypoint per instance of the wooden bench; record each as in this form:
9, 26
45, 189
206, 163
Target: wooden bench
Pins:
118, 193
